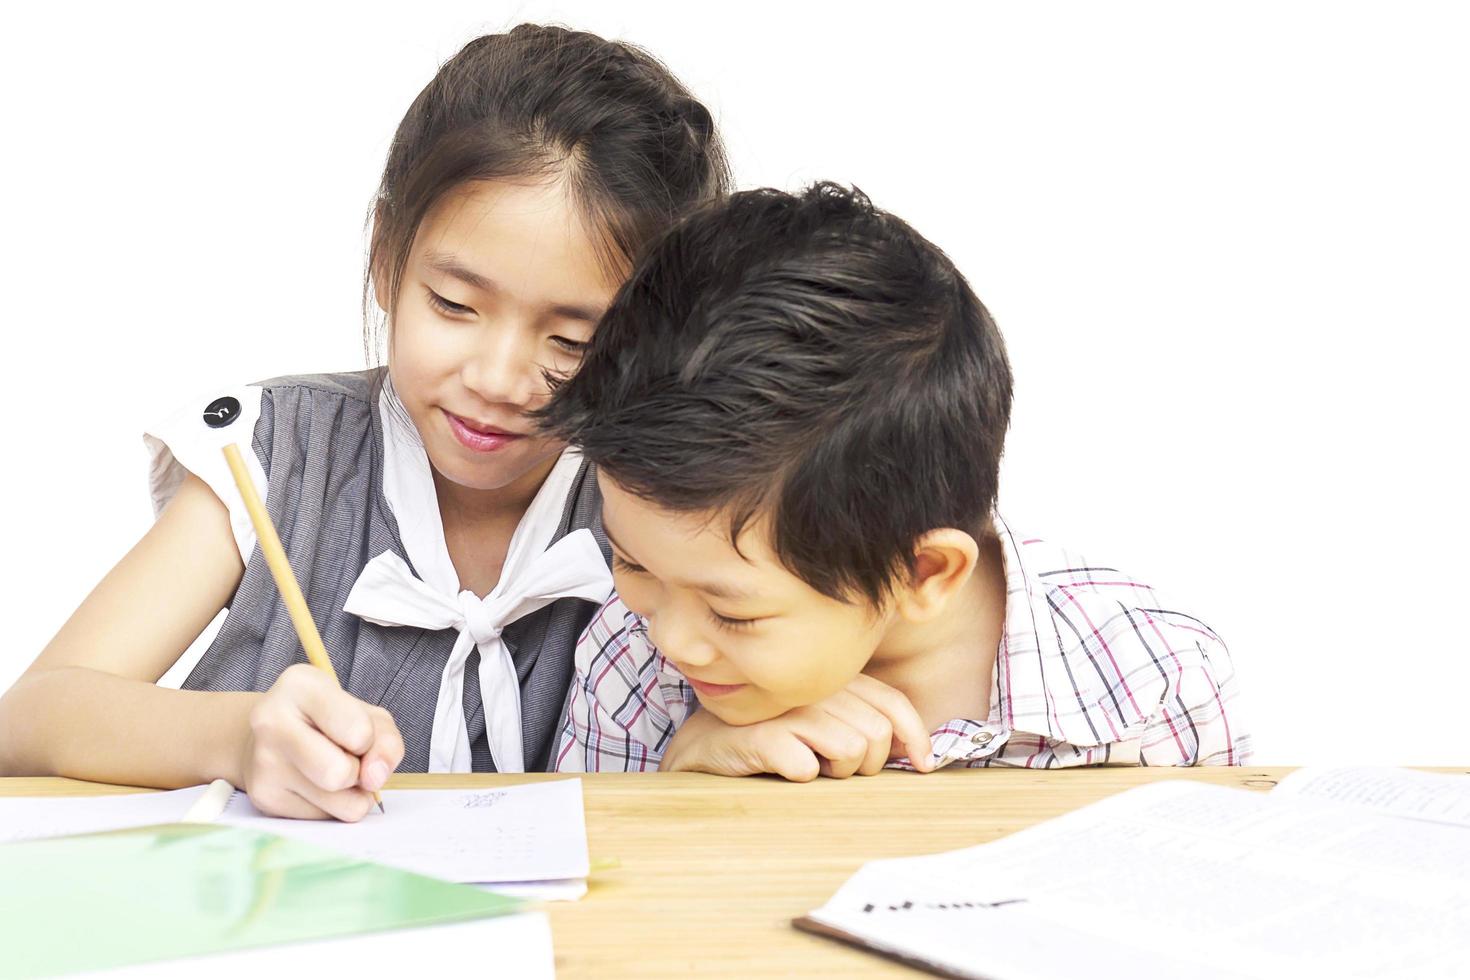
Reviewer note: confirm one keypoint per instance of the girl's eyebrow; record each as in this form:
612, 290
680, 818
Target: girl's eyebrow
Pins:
451, 266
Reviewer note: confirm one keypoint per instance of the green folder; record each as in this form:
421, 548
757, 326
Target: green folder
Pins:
152, 893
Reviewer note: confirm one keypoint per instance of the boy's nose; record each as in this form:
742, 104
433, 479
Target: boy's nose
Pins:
680, 646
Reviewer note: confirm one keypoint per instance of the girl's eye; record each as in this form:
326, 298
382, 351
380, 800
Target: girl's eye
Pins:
622, 564
726, 623
570, 346
445, 306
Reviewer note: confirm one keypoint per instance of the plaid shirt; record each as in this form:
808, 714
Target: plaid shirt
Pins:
1090, 670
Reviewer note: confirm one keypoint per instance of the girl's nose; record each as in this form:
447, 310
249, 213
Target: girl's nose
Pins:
503, 367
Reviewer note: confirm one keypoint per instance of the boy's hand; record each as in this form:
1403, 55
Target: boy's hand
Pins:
856, 730
314, 751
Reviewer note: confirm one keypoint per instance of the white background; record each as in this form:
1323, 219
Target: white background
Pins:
1227, 245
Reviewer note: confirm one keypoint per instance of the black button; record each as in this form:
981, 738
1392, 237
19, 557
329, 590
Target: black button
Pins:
221, 412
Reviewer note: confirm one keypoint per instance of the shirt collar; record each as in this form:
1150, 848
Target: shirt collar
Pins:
408, 487
1065, 664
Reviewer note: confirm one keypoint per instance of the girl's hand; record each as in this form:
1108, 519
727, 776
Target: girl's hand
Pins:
855, 731
314, 751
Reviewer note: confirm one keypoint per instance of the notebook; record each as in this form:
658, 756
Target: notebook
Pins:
177, 890
529, 840
1336, 872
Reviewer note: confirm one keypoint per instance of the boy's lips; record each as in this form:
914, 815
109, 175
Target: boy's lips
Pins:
712, 690
477, 436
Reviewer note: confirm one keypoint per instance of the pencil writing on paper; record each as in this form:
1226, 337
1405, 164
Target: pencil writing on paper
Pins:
907, 905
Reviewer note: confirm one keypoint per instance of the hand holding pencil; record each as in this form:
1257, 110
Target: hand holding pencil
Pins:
315, 750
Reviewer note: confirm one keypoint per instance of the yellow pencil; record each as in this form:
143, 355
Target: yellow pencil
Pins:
275, 558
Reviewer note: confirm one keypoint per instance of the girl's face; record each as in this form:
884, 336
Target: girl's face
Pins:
503, 283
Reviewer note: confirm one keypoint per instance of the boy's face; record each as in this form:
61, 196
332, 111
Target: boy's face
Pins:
753, 639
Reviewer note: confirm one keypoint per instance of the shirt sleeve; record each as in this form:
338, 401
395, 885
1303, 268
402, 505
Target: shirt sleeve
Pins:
193, 439
1199, 721
622, 710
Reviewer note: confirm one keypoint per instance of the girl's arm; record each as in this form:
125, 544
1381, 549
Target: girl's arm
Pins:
89, 706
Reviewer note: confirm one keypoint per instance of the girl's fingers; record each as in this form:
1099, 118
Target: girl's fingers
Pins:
320, 761
332, 711
386, 753
347, 805
271, 795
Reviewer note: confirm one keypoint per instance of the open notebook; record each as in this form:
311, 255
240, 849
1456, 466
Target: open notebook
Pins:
1336, 872
528, 840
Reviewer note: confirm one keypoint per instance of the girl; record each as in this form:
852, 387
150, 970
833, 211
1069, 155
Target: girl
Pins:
450, 556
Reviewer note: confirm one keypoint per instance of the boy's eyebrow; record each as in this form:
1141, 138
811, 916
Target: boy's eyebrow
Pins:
717, 589
451, 266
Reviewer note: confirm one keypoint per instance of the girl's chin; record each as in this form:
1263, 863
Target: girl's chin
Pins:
489, 474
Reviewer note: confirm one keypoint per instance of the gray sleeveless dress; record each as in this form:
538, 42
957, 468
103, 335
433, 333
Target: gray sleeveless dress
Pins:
319, 440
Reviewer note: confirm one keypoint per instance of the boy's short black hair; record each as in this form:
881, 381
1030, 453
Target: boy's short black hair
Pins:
804, 357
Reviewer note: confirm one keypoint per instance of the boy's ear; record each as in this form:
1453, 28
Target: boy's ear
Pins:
944, 560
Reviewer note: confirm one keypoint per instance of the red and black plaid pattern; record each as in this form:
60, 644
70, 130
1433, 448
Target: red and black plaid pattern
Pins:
1091, 670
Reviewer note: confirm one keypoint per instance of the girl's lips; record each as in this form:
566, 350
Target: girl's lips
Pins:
713, 690
477, 440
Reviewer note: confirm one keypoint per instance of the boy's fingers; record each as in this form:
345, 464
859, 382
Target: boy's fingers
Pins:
842, 746
789, 758
909, 730
870, 723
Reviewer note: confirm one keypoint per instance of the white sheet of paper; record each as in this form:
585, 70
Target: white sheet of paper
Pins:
1180, 879
526, 833
508, 946
556, 890
1436, 796
33, 817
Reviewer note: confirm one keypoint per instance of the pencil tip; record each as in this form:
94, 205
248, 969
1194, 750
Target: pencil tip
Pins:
380, 808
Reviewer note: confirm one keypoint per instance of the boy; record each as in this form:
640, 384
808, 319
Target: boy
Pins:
797, 408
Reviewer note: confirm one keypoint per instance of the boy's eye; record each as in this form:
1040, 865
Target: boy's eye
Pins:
569, 345
728, 623
445, 306
622, 564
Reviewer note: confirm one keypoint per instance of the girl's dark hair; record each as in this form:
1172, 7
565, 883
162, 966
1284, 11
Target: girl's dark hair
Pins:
806, 358
634, 148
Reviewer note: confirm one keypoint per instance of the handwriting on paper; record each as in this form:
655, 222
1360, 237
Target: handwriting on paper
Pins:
480, 801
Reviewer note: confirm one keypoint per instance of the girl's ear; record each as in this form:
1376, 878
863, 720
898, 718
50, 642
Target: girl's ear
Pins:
380, 291
944, 560
379, 270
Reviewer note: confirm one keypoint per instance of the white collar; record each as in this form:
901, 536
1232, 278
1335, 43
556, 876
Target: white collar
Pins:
534, 575
408, 487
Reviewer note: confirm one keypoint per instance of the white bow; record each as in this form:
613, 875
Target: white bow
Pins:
388, 593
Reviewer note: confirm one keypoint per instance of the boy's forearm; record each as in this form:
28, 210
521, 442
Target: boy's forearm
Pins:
86, 724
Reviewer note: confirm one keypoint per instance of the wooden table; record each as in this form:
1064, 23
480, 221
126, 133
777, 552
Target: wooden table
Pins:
711, 871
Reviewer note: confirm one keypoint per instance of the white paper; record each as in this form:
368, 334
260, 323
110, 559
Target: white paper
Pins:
34, 817
507, 946
1440, 797
526, 833
1180, 879
555, 890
